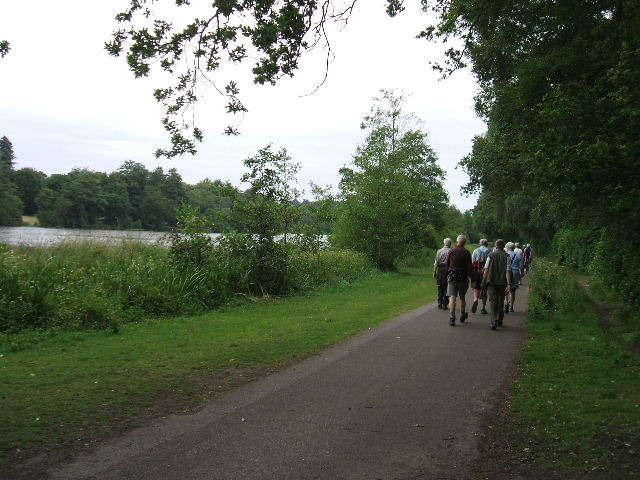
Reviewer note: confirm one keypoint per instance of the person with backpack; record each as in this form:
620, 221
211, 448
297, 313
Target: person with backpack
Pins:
478, 257
440, 273
515, 262
459, 270
518, 251
496, 279
527, 258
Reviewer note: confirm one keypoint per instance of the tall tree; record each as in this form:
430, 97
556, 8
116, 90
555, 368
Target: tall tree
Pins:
28, 184
5, 46
75, 200
269, 206
558, 89
393, 198
10, 203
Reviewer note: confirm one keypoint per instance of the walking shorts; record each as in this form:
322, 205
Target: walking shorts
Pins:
457, 289
516, 279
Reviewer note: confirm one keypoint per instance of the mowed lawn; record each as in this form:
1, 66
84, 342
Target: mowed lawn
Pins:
74, 385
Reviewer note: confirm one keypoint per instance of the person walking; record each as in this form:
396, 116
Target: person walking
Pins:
440, 273
478, 257
515, 262
458, 272
518, 251
527, 258
496, 278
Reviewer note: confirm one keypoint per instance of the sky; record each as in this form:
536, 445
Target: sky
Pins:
65, 103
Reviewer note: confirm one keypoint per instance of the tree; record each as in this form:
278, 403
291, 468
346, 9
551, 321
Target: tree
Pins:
4, 48
269, 207
393, 200
28, 183
558, 89
7, 157
74, 200
117, 210
275, 33
216, 200
10, 203
136, 177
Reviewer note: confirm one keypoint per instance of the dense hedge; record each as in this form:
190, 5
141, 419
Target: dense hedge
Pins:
91, 285
604, 253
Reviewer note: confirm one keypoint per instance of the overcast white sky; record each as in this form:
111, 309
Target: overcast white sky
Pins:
65, 103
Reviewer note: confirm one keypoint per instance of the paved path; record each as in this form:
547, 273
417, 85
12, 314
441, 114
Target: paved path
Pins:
405, 400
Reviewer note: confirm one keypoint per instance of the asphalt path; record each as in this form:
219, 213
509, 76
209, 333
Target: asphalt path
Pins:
408, 399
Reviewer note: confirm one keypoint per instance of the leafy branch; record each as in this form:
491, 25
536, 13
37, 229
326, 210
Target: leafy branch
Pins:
273, 33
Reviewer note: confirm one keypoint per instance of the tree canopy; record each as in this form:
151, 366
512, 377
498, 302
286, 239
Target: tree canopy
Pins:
10, 203
393, 197
558, 90
273, 34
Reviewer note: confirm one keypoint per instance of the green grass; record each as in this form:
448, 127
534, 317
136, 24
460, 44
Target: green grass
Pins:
577, 396
61, 385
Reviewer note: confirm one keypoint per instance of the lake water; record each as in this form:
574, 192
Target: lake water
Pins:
38, 236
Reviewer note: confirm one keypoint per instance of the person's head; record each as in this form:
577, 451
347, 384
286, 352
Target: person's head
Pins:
499, 244
461, 240
517, 244
447, 242
484, 242
509, 246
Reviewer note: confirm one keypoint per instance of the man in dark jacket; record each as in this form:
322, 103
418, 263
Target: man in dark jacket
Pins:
496, 279
458, 270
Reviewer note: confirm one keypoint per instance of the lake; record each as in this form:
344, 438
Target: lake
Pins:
38, 236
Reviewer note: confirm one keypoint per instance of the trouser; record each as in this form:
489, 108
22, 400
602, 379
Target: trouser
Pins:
496, 295
443, 299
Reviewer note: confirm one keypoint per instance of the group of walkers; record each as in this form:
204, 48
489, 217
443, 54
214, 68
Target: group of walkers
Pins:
495, 276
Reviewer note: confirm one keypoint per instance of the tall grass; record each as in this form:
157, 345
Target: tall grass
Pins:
90, 285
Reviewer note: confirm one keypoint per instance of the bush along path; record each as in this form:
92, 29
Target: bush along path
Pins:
573, 411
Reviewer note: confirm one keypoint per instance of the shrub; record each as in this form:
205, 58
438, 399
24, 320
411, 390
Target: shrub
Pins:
600, 252
89, 285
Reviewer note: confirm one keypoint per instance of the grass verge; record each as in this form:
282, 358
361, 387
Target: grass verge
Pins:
75, 386
576, 402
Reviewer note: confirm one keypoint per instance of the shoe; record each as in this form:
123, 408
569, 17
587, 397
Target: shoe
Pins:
506, 308
452, 321
463, 316
483, 311
493, 325
511, 308
474, 307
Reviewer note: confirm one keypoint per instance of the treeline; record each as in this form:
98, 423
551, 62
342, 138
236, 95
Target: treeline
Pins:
132, 197
390, 204
557, 165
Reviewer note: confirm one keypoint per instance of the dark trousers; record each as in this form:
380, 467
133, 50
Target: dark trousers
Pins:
442, 295
496, 295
